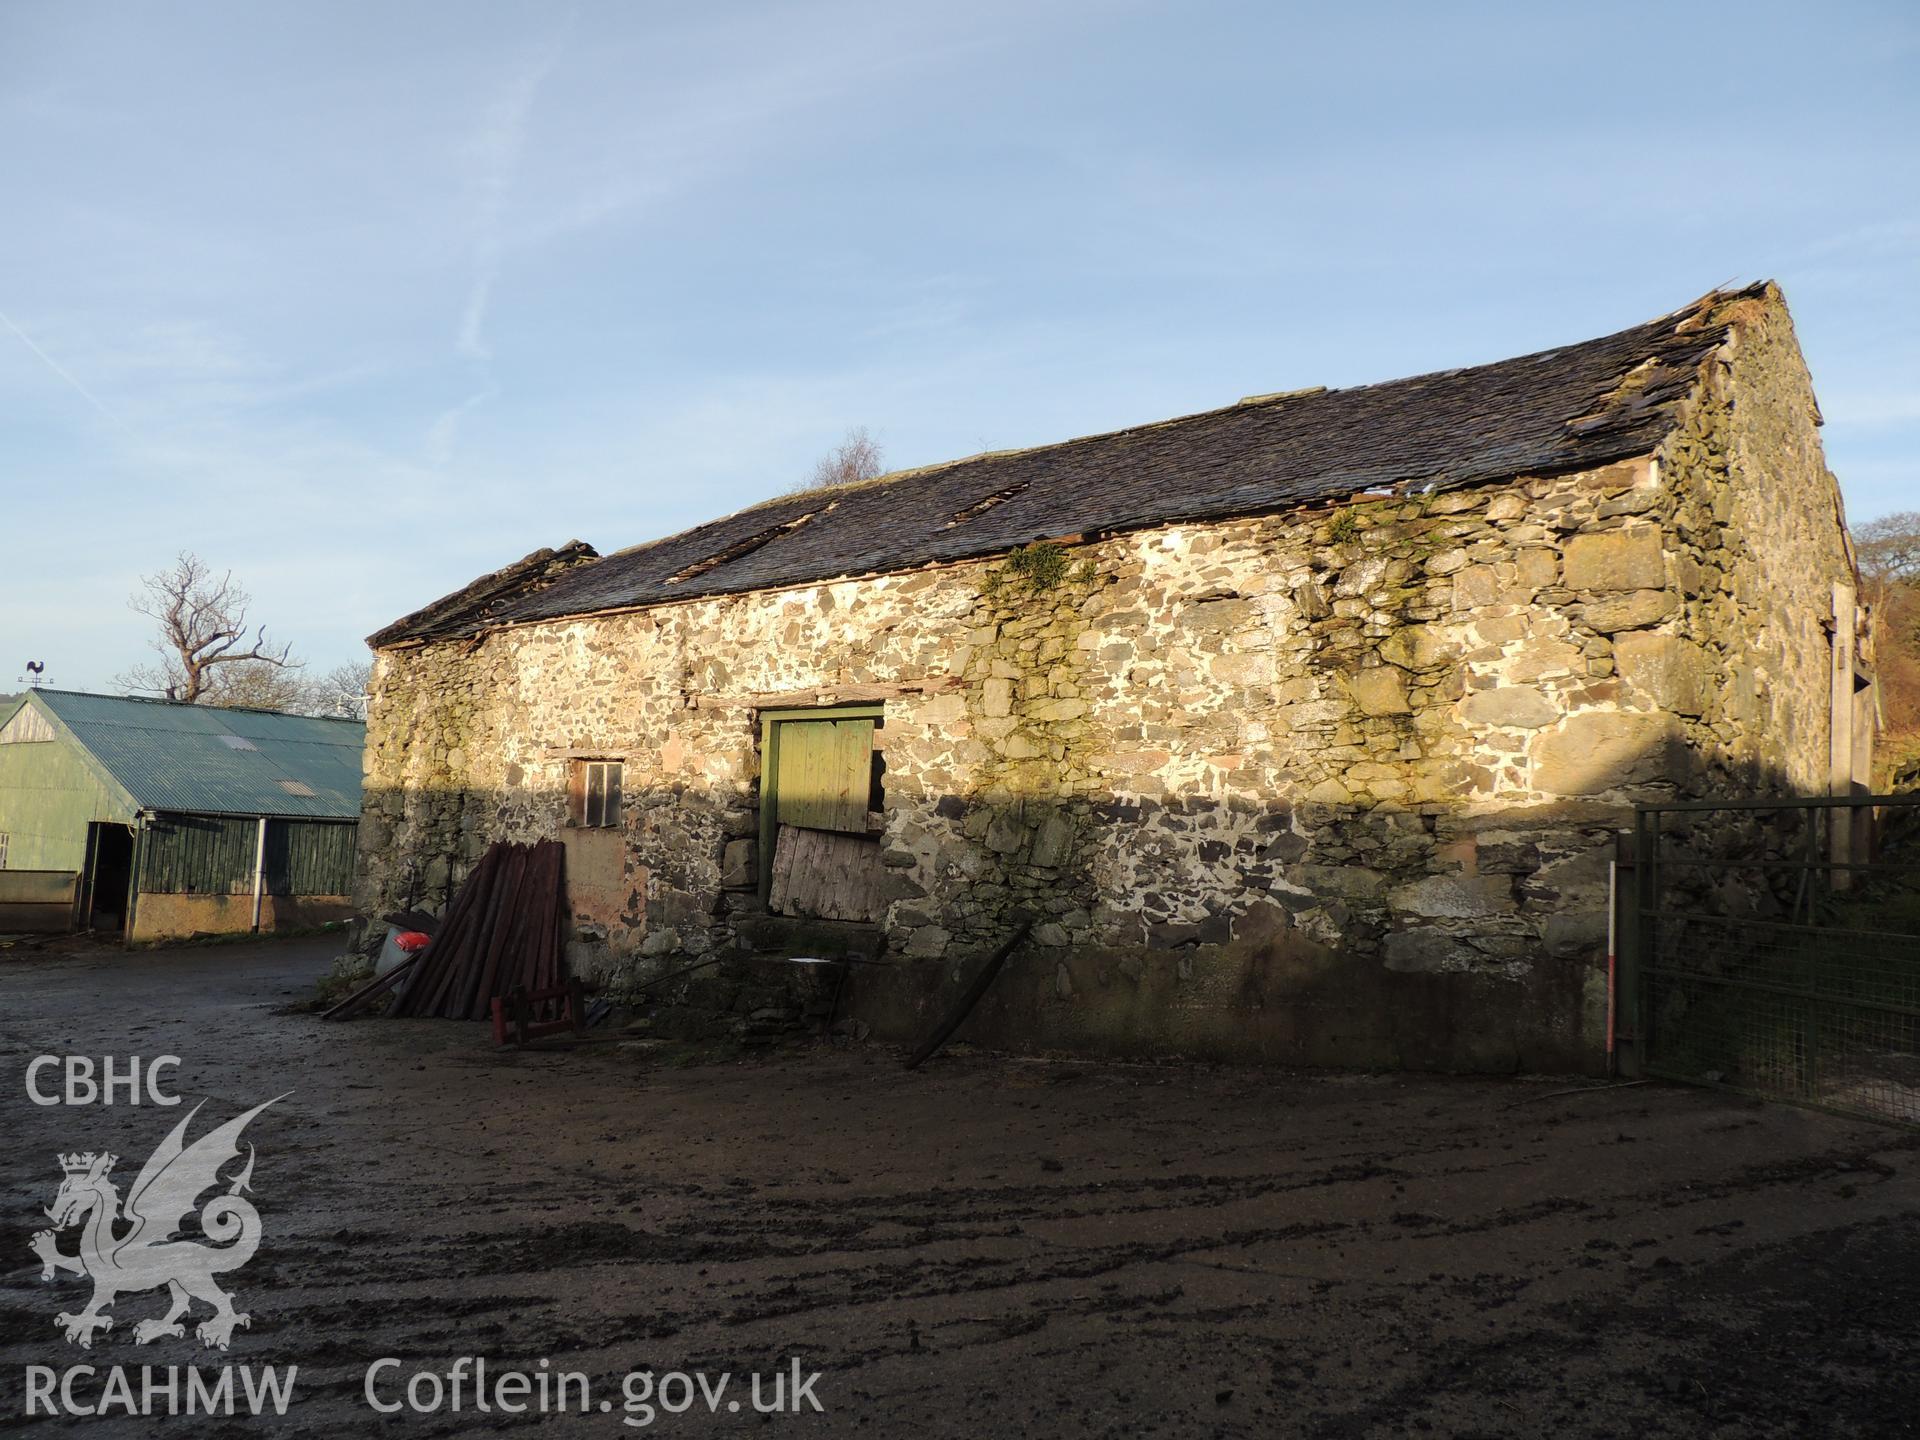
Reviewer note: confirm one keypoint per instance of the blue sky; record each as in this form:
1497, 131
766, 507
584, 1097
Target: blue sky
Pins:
361, 300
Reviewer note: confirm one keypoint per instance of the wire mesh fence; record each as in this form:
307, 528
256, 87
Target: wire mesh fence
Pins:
1778, 949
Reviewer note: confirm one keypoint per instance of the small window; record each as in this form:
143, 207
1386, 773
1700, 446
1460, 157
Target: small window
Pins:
596, 792
236, 742
3, 849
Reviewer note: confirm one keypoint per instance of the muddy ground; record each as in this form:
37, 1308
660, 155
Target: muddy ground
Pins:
989, 1246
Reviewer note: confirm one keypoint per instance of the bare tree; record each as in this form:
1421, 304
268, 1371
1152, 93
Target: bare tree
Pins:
1889, 553
203, 629
258, 685
341, 692
1889, 550
854, 459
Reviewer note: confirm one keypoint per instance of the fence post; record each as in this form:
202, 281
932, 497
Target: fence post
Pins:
1810, 1006
1641, 956
1619, 943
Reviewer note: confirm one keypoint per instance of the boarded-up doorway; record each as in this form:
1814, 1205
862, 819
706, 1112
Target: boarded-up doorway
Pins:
821, 782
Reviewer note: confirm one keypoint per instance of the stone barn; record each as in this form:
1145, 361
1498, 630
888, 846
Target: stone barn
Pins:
1301, 728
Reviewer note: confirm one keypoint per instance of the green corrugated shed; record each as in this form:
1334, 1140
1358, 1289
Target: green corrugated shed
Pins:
203, 760
195, 795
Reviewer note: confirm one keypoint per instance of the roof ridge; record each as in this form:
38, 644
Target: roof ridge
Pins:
1543, 412
1261, 401
194, 705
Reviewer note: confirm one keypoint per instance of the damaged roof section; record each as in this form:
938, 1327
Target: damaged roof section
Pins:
474, 606
1574, 408
744, 546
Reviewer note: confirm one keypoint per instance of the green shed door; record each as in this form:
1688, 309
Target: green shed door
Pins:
825, 774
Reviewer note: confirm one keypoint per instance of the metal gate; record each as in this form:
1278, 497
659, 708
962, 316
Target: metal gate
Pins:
1776, 949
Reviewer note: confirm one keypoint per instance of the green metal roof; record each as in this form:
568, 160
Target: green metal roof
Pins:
203, 760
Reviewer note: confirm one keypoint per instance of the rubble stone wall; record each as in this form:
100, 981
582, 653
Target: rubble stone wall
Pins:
1759, 542
1336, 787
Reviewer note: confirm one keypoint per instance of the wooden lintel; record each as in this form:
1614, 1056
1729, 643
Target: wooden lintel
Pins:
826, 695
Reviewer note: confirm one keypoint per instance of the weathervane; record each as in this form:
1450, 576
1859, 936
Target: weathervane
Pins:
36, 673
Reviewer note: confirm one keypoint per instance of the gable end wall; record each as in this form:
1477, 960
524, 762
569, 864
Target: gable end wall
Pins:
1759, 543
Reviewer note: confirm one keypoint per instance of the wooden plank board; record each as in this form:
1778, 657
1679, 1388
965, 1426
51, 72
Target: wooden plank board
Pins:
27, 725
826, 875
825, 774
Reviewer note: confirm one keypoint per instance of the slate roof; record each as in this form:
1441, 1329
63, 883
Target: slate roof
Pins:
203, 760
1573, 408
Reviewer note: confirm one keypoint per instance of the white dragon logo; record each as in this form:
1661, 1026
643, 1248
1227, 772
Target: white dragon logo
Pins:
151, 1253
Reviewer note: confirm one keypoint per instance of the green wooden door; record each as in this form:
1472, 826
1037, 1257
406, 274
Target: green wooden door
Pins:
824, 774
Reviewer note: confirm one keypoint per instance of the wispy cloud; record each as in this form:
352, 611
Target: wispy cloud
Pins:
58, 369
445, 430
495, 151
